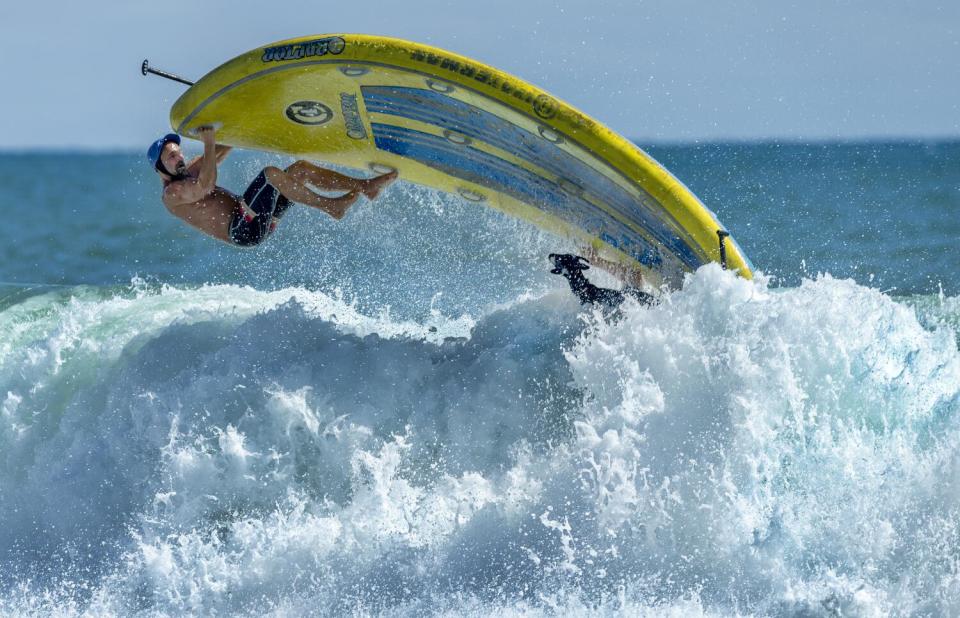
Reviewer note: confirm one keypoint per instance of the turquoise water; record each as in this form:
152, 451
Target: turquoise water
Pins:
404, 413
884, 214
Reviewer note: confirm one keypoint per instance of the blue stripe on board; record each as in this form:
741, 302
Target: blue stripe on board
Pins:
494, 173
447, 113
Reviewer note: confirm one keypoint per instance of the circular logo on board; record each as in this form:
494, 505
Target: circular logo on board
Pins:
545, 107
309, 112
336, 45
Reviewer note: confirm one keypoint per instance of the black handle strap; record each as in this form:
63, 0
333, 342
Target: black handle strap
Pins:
722, 236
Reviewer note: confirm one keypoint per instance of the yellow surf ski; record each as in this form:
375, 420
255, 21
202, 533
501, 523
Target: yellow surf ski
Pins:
460, 126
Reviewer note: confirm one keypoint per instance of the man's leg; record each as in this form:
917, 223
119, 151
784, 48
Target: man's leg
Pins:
291, 188
305, 172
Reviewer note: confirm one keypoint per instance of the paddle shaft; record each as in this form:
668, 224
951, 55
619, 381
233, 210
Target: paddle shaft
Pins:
146, 68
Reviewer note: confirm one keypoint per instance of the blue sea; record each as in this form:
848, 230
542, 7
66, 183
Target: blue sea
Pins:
403, 413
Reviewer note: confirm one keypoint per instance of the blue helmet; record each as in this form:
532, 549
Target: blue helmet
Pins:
153, 153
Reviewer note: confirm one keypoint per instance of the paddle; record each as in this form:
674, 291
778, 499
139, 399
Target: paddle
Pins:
146, 68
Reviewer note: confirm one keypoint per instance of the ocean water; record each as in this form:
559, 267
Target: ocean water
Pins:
404, 413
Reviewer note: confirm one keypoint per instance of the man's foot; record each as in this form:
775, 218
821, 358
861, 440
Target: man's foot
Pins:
372, 187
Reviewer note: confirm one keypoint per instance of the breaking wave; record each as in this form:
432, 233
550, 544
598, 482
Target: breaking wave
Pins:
736, 449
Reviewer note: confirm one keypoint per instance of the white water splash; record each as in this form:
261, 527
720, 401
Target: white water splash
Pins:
733, 450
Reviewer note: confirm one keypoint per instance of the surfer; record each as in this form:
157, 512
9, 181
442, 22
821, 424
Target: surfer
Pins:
571, 267
190, 191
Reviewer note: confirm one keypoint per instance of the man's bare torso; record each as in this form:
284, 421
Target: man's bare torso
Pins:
211, 215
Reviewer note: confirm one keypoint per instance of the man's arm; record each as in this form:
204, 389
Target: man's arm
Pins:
222, 152
195, 189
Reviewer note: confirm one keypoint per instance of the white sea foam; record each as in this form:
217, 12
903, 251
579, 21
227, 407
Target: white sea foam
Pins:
734, 450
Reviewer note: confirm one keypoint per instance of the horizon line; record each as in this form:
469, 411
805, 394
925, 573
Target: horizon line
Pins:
686, 142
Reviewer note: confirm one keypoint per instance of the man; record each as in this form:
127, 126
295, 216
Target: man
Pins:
190, 191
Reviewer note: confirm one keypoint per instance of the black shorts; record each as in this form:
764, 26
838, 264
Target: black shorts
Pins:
264, 207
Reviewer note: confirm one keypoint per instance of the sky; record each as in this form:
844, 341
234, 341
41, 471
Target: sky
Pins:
654, 71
